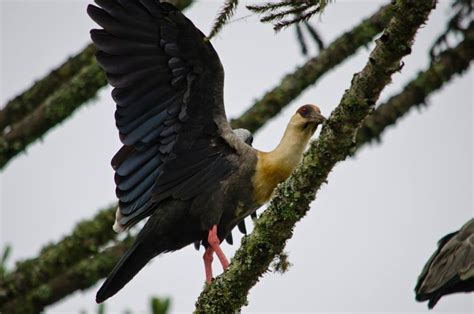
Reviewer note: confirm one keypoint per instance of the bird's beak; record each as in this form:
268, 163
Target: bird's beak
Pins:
317, 117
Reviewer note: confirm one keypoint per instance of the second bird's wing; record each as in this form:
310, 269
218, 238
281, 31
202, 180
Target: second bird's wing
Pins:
449, 266
168, 83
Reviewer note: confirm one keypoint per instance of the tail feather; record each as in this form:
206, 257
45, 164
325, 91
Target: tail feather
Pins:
127, 267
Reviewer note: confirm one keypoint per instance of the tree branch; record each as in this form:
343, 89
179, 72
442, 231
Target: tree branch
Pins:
292, 85
448, 63
17, 108
48, 106
55, 109
54, 259
228, 293
83, 275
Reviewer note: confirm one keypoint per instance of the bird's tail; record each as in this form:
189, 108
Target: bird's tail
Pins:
127, 267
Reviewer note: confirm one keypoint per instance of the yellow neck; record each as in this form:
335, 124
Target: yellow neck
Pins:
276, 166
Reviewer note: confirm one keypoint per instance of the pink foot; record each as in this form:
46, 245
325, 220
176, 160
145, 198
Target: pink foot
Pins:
214, 243
208, 263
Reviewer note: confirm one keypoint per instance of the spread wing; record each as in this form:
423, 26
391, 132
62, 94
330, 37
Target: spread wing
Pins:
452, 263
168, 83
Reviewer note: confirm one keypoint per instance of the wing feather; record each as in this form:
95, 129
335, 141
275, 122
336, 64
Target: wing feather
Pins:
451, 268
168, 89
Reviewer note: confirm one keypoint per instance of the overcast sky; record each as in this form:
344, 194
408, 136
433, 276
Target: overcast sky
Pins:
368, 234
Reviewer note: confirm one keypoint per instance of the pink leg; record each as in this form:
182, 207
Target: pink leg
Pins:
208, 263
214, 242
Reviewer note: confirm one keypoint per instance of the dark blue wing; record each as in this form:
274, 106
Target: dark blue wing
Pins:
168, 83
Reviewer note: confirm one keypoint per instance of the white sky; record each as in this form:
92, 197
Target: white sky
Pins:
371, 229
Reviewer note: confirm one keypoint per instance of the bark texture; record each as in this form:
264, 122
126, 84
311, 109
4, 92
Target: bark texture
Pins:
449, 63
292, 85
17, 108
79, 277
86, 239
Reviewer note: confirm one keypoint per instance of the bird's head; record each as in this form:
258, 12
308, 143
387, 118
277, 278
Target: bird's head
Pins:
307, 118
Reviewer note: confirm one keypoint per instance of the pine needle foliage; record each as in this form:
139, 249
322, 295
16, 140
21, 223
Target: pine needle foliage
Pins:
224, 16
288, 12
313, 34
462, 15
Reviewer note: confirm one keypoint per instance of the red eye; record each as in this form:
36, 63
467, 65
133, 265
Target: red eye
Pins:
303, 111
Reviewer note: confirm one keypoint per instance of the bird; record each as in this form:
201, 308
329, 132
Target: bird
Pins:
181, 165
450, 269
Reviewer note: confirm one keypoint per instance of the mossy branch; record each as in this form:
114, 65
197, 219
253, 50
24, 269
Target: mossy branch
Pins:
448, 63
46, 104
292, 85
19, 107
228, 292
86, 239
55, 109
80, 276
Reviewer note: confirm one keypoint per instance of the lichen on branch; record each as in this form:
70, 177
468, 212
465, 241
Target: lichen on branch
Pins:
45, 105
86, 239
447, 64
293, 84
23, 104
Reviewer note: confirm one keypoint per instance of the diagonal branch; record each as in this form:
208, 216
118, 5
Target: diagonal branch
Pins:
19, 107
80, 277
31, 273
228, 293
293, 84
86, 239
449, 63
47, 103
55, 109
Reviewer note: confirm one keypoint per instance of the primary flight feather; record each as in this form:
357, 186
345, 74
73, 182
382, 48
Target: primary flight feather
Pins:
181, 164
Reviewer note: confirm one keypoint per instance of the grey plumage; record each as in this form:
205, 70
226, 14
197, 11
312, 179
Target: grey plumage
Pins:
450, 269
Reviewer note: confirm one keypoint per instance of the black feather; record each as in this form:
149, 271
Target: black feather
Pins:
242, 227
134, 160
119, 46
127, 64
128, 266
135, 78
229, 238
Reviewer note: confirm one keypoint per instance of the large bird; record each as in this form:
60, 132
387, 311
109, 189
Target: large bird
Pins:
450, 269
180, 163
